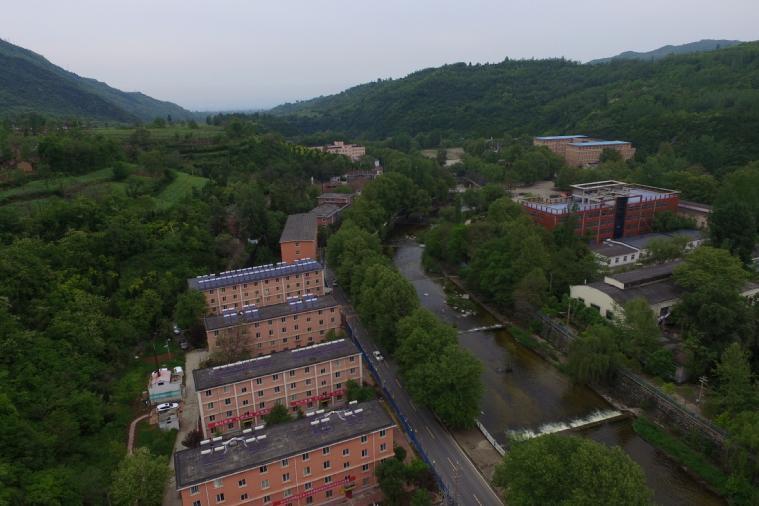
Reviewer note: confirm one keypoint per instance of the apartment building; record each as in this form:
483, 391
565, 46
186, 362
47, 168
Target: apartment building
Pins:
260, 286
338, 199
280, 327
558, 143
588, 153
352, 151
327, 214
236, 396
320, 459
298, 239
605, 209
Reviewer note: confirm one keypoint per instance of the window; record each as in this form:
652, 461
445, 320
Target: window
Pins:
285, 462
210, 405
307, 486
305, 456
194, 490
276, 390
383, 447
292, 373
328, 493
365, 467
337, 374
267, 498
243, 390
244, 497
242, 483
286, 477
275, 377
218, 483
363, 439
346, 451
328, 479
325, 450
346, 464
287, 493
212, 418
307, 370
208, 393
227, 401
326, 464
364, 452
263, 469
260, 393
220, 497
264, 484
195, 503
383, 432
245, 402
307, 471
292, 385
259, 381
310, 499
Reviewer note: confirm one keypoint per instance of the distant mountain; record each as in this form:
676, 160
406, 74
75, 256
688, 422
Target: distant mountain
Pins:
692, 47
706, 104
30, 83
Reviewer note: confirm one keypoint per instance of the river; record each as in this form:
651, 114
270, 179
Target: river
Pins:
534, 393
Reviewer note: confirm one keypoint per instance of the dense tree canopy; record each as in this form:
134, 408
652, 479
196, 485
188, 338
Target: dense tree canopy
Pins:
568, 470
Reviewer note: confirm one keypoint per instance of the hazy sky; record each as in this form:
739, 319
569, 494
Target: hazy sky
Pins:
242, 54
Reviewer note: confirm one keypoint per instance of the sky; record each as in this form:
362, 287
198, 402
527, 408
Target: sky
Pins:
215, 55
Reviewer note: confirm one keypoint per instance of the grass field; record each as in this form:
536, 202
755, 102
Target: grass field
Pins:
183, 185
53, 185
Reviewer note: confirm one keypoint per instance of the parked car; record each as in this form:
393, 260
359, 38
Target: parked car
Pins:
177, 330
166, 406
184, 344
378, 356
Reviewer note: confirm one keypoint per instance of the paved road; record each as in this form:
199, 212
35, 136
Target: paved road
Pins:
464, 482
187, 422
132, 428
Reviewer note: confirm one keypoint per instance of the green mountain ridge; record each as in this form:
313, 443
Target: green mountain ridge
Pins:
702, 103
668, 50
30, 83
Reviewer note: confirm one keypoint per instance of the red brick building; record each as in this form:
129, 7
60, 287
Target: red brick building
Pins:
319, 459
281, 327
605, 209
298, 239
259, 286
558, 143
339, 199
236, 396
588, 153
327, 214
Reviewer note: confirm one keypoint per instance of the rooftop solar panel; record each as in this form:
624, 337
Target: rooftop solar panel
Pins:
252, 274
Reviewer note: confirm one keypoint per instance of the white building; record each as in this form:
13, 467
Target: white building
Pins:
613, 254
165, 385
654, 284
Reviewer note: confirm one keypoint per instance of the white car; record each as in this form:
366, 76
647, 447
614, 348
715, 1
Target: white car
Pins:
166, 406
176, 329
378, 356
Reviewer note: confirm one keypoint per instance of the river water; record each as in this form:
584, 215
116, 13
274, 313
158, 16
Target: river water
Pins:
534, 394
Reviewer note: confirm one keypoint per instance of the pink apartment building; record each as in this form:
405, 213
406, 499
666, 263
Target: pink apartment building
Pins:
261, 286
324, 458
352, 151
280, 327
237, 396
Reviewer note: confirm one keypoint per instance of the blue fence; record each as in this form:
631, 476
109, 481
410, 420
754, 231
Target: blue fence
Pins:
404, 423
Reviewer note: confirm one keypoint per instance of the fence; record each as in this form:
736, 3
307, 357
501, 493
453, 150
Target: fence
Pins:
490, 438
447, 497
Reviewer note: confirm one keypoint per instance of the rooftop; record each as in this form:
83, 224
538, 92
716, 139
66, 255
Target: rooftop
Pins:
325, 210
253, 449
695, 206
610, 250
299, 227
250, 314
598, 143
252, 274
645, 275
335, 195
642, 241
654, 293
560, 137
270, 364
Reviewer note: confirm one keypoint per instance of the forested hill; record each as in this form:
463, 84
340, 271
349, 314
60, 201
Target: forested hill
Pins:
707, 101
30, 83
668, 50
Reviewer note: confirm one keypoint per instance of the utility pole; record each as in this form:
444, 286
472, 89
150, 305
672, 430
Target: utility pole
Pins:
703, 380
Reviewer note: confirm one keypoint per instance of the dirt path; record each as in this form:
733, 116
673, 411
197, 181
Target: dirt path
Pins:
132, 427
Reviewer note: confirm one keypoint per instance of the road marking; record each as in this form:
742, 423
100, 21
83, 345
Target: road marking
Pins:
399, 383
412, 405
475, 498
428, 430
451, 463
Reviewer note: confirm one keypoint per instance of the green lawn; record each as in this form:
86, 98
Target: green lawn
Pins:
49, 186
159, 442
183, 185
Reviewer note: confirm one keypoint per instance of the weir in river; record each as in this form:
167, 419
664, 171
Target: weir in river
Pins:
525, 393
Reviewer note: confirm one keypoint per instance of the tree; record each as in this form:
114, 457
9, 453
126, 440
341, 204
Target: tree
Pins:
737, 390
711, 307
639, 329
190, 309
391, 476
570, 470
732, 226
140, 479
356, 392
595, 356
421, 497
278, 414
450, 385
661, 250
421, 336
